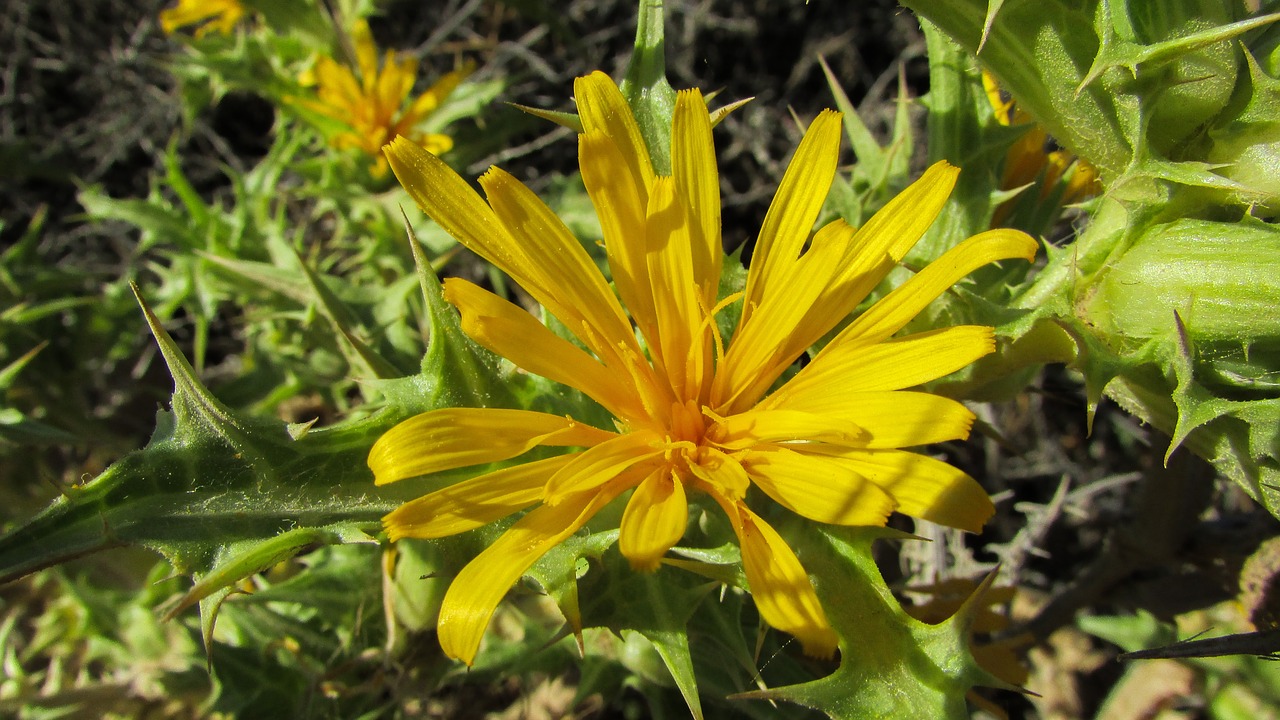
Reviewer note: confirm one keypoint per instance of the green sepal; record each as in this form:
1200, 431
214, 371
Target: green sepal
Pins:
891, 665
645, 86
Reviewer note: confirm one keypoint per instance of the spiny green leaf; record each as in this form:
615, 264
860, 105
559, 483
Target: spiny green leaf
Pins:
891, 666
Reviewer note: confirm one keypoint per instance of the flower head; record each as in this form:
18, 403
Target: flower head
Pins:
370, 98
219, 15
694, 414
1034, 156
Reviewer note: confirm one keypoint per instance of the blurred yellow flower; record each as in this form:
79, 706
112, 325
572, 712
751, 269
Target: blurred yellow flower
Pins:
691, 416
370, 99
219, 15
1031, 158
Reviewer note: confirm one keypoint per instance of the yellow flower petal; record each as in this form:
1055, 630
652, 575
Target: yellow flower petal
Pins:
510, 331
440, 90
365, 50
472, 503
852, 366
451, 202
681, 352
654, 520
602, 107
782, 590
621, 204
555, 265
925, 488
817, 488
457, 437
766, 345
890, 233
905, 302
890, 419
600, 464
756, 426
693, 165
794, 209
476, 591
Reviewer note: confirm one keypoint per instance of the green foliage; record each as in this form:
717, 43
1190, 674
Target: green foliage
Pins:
1161, 292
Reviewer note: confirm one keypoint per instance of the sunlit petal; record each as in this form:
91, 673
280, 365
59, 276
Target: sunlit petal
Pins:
766, 345
905, 302
476, 591
794, 209
755, 426
601, 107
890, 419
693, 166
854, 366
924, 487
510, 331
621, 204
782, 590
473, 503
679, 348
654, 520
457, 437
602, 463
818, 488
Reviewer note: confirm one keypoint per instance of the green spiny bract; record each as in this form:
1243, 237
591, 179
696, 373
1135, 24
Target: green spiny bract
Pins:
1169, 293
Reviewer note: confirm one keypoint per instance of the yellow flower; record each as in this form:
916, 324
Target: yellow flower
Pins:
691, 415
370, 100
1029, 159
220, 15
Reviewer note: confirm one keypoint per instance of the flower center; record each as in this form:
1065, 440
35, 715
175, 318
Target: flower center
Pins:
688, 424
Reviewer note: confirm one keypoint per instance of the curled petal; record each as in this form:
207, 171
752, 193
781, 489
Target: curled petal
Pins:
598, 465
654, 520
457, 437
602, 108
782, 590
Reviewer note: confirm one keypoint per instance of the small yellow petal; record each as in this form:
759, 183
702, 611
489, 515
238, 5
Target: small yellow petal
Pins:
817, 488
472, 503
476, 591
654, 520
782, 590
602, 463
457, 437
925, 488
905, 302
